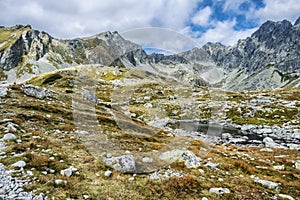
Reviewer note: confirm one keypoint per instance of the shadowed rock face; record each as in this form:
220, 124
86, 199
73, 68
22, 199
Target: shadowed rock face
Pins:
22, 47
274, 43
29, 42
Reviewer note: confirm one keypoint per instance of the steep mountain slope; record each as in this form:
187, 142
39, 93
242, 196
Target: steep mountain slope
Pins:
25, 52
270, 58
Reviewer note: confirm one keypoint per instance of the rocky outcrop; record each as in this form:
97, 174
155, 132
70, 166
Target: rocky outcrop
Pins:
23, 41
125, 163
37, 92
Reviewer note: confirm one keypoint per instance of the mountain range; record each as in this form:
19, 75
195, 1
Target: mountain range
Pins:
269, 58
99, 118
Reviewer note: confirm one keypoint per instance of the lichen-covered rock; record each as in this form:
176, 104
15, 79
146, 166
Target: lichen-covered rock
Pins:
188, 157
125, 163
37, 92
89, 96
267, 184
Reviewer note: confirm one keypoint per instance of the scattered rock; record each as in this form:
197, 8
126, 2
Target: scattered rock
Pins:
60, 182
211, 165
29, 173
267, 184
148, 105
269, 142
125, 163
36, 92
68, 172
247, 127
285, 196
11, 127
165, 174
19, 164
266, 150
188, 157
12, 188
39, 197
219, 190
108, 173
89, 96
147, 160
294, 146
297, 164
9, 136
279, 167
226, 136
3, 90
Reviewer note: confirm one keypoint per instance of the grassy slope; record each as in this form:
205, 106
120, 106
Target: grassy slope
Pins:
57, 139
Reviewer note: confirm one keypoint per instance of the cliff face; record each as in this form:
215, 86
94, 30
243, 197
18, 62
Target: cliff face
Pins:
270, 58
25, 52
274, 43
21, 41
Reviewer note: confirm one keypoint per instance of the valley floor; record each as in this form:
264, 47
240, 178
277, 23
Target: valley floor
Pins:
108, 133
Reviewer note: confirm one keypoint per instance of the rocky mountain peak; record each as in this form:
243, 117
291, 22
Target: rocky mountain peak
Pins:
20, 26
20, 41
297, 21
271, 30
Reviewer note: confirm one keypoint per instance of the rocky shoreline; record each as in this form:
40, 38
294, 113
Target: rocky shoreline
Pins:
233, 134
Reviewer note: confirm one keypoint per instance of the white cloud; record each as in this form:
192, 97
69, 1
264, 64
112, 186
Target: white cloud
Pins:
224, 32
77, 18
201, 18
161, 38
233, 5
277, 10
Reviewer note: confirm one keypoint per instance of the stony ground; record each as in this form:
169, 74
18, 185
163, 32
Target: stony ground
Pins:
107, 133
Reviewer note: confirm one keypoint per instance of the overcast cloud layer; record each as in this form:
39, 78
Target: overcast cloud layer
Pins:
223, 21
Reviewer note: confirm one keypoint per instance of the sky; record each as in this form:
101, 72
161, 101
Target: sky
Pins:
198, 21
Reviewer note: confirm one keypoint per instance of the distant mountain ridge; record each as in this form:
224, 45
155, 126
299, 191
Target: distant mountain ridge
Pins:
269, 58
